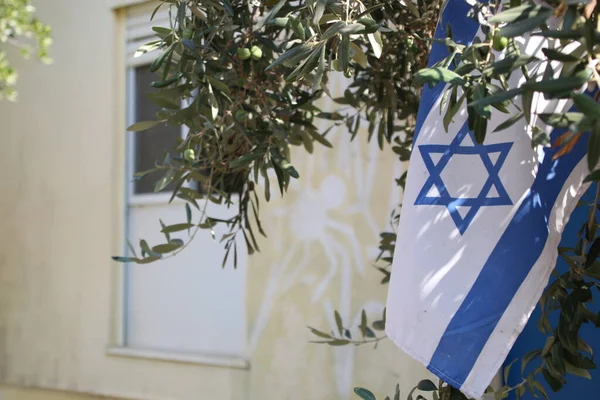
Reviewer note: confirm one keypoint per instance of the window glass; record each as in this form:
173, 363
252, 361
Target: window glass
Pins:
150, 145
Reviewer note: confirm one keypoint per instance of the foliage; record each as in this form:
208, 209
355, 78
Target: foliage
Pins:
252, 72
20, 28
251, 76
441, 391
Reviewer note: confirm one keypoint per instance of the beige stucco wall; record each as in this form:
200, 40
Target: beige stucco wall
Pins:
22, 393
61, 166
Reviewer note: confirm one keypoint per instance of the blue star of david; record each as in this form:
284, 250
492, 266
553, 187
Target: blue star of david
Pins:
445, 198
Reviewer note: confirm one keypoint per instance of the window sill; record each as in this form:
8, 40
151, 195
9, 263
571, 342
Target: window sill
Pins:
198, 359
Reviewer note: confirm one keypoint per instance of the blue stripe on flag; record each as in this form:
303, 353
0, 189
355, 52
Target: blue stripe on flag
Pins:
464, 31
505, 270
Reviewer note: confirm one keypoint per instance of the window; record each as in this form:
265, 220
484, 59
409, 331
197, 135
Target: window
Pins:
186, 305
149, 146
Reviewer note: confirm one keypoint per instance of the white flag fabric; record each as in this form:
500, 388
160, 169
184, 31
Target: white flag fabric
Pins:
478, 232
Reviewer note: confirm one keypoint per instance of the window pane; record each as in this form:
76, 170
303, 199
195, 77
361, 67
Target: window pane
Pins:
150, 145
187, 304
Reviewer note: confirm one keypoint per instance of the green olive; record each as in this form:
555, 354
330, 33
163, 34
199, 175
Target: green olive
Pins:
336, 65
243, 53
499, 43
189, 154
256, 53
240, 114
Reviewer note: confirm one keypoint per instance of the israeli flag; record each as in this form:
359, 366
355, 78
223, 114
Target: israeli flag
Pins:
478, 232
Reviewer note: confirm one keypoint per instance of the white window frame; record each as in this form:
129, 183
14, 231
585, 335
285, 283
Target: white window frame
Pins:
126, 77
